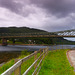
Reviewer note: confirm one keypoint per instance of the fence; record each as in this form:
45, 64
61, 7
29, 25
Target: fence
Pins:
16, 68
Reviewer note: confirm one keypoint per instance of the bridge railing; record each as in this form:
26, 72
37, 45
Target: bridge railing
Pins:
18, 64
26, 34
69, 33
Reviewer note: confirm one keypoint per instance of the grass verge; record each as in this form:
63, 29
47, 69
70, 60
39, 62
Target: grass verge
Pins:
56, 63
23, 54
24, 65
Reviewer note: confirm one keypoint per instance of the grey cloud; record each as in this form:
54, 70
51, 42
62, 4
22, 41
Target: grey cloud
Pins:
15, 6
1, 19
60, 8
61, 27
58, 28
56, 8
11, 5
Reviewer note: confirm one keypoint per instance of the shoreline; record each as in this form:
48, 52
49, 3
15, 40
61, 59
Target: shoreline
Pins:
38, 44
30, 44
6, 56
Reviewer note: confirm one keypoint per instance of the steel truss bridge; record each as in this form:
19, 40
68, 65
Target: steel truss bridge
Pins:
66, 33
4, 36
41, 34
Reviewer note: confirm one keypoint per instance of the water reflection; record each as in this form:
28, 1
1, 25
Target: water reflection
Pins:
33, 48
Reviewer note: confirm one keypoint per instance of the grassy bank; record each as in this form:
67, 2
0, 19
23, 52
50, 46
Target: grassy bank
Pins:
12, 61
56, 63
6, 56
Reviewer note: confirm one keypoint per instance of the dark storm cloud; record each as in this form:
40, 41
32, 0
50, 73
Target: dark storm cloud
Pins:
58, 28
11, 5
15, 6
59, 8
50, 15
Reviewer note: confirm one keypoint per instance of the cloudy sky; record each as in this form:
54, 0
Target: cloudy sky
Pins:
50, 15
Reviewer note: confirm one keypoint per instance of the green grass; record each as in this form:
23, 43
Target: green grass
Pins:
24, 65
12, 61
6, 66
11, 42
56, 63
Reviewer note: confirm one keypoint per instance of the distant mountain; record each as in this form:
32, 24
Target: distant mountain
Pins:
73, 30
19, 30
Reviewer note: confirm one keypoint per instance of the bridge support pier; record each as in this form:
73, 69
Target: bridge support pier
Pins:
4, 42
14, 42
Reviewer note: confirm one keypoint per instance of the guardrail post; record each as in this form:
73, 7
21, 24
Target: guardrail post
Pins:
18, 70
40, 54
47, 51
43, 52
35, 57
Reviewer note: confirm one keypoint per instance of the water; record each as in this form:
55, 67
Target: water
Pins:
32, 48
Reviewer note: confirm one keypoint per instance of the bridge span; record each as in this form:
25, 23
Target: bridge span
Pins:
4, 36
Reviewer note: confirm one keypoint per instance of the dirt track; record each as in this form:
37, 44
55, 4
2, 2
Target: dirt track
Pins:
71, 57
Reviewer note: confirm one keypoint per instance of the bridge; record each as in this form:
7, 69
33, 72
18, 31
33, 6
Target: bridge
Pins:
4, 36
66, 33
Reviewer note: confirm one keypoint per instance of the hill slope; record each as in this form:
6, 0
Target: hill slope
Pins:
37, 40
19, 30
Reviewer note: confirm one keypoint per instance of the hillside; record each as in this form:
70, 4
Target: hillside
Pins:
19, 30
33, 40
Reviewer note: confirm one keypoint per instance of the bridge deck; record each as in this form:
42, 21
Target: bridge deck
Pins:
47, 34
36, 36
